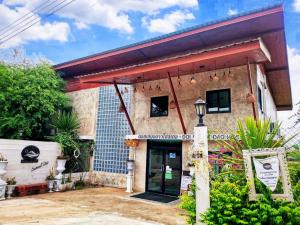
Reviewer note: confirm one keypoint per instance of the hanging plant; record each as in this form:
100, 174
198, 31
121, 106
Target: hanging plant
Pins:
172, 104
121, 108
250, 98
131, 143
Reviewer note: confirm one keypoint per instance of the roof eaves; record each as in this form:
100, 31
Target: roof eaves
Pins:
173, 57
271, 6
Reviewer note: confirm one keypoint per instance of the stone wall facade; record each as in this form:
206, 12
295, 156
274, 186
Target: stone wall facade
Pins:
108, 179
85, 104
187, 93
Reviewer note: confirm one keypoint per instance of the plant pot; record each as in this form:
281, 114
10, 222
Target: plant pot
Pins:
60, 167
130, 165
250, 98
10, 189
51, 185
69, 185
131, 143
62, 187
2, 189
3, 165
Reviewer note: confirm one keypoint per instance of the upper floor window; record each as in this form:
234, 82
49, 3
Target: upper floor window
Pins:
260, 98
159, 106
218, 101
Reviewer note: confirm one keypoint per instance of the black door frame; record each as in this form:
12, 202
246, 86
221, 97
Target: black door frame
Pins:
164, 146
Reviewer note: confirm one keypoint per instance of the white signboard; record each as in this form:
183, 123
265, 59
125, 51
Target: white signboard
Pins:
267, 171
182, 137
186, 181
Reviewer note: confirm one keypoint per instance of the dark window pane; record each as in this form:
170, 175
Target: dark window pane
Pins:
218, 101
159, 106
224, 101
212, 101
259, 98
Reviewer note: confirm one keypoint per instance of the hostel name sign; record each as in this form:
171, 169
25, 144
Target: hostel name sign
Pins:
182, 137
267, 171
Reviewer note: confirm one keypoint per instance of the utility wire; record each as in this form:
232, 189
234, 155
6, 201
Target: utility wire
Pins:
25, 17
29, 23
3, 40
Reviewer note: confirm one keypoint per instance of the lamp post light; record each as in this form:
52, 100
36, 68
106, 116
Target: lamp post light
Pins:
200, 111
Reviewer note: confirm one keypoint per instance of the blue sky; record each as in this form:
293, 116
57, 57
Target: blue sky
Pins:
91, 26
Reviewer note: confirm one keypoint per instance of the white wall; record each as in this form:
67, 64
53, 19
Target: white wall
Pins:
11, 149
269, 107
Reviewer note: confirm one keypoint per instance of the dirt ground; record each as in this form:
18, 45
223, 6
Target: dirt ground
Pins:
89, 206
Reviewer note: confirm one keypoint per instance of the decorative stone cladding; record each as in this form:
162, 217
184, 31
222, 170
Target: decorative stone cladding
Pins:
108, 179
187, 94
85, 104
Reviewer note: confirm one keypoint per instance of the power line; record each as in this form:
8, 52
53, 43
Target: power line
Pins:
29, 23
35, 22
24, 17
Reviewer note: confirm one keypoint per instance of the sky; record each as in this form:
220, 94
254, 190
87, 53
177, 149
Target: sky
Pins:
86, 27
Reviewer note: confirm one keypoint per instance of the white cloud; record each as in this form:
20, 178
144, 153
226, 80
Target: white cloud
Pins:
296, 5
232, 12
57, 31
114, 14
294, 65
111, 14
168, 23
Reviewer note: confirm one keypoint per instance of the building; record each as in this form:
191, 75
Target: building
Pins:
147, 90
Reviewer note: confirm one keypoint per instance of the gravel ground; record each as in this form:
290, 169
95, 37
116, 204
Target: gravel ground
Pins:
89, 206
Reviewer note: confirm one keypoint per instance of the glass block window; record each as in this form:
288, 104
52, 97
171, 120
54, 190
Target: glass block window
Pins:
112, 127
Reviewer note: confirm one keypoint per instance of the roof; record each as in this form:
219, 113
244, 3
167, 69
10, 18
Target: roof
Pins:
126, 74
267, 23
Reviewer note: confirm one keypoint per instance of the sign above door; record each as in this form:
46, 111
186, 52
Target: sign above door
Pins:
181, 137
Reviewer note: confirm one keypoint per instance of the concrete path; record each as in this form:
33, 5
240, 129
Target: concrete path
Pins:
89, 206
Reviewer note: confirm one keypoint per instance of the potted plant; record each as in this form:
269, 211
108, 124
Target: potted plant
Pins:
63, 185
66, 125
79, 184
3, 165
61, 163
69, 182
191, 166
11, 185
50, 179
250, 98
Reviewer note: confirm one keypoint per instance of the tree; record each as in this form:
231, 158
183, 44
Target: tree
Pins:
29, 97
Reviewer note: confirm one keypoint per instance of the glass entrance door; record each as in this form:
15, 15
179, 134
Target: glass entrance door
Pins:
164, 168
155, 170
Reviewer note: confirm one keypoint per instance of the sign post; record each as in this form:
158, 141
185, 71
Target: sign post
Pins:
200, 158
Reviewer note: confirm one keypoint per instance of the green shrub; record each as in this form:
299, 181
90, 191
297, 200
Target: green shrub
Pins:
188, 203
229, 191
230, 205
29, 97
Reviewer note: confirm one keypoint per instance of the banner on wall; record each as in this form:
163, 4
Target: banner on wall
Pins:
267, 171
